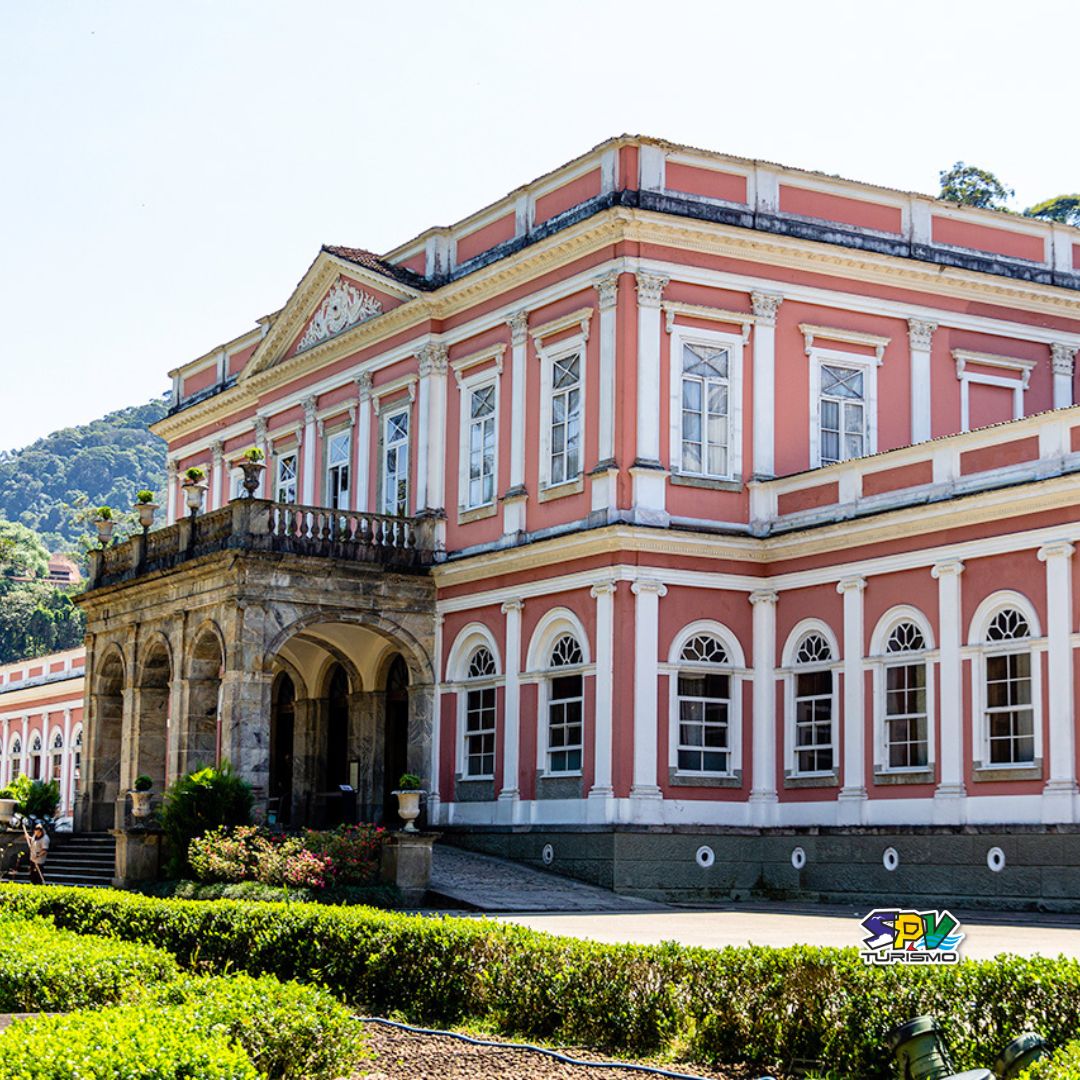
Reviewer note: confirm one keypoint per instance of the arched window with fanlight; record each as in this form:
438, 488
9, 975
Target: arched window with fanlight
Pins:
37, 758
1008, 713
703, 701
56, 757
15, 754
76, 764
906, 714
566, 707
814, 706
479, 750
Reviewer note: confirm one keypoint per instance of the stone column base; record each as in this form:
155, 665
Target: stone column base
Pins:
138, 856
406, 863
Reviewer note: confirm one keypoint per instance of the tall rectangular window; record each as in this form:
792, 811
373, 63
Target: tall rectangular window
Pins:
813, 721
1010, 714
842, 414
480, 732
704, 699
565, 710
481, 479
395, 493
338, 452
905, 716
285, 481
565, 450
705, 391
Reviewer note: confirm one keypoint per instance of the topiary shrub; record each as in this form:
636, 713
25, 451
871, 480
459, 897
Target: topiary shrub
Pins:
199, 802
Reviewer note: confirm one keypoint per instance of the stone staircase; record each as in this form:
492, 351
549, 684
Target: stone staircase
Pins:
81, 859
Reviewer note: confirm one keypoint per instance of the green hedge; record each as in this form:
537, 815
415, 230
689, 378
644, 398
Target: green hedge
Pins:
382, 896
767, 1007
43, 969
1063, 1065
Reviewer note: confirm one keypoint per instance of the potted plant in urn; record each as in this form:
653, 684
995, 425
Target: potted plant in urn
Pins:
145, 507
141, 795
194, 488
103, 522
251, 461
408, 798
9, 806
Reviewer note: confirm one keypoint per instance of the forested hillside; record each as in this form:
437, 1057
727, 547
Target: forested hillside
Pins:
106, 461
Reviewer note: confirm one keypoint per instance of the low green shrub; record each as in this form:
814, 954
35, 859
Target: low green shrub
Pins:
124, 1043
380, 896
199, 802
1063, 1065
767, 1007
37, 799
43, 969
290, 1032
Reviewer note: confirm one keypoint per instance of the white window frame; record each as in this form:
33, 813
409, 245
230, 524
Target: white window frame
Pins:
236, 484
15, 758
553, 673
879, 661
387, 416
465, 687
868, 365
467, 386
56, 758
548, 355
789, 672
332, 437
294, 483
978, 651
1017, 381
38, 757
737, 671
682, 336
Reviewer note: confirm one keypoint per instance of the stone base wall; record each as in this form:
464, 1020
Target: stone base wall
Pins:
936, 866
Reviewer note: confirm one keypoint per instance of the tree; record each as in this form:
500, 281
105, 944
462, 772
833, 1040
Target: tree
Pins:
969, 185
22, 554
1063, 208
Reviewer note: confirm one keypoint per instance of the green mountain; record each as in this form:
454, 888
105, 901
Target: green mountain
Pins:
105, 462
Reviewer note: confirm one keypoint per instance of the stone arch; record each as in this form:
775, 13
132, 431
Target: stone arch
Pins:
106, 725
153, 686
200, 730
283, 696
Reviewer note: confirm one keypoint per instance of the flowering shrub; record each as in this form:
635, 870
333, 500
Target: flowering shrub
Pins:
348, 855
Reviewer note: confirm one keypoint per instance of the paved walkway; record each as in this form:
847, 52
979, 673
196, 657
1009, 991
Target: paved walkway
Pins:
485, 883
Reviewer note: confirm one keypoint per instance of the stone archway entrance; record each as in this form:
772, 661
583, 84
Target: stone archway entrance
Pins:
152, 707
395, 735
282, 733
105, 805
200, 736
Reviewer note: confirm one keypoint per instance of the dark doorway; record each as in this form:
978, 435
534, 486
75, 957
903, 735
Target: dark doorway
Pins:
396, 745
337, 730
282, 726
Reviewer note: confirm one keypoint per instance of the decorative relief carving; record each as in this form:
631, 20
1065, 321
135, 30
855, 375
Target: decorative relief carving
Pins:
921, 333
607, 287
344, 305
519, 327
363, 385
765, 306
217, 449
310, 407
650, 288
1063, 358
261, 429
432, 357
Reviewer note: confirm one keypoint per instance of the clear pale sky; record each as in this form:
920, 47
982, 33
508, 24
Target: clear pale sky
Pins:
169, 170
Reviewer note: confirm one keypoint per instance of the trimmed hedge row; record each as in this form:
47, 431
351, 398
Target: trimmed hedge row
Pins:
1064, 1065
767, 1007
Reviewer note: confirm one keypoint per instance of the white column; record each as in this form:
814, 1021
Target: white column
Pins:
763, 797
262, 441
1063, 358
1059, 795
362, 449
765, 306
434, 800
218, 485
852, 797
171, 470
307, 494
920, 340
602, 791
645, 795
25, 745
510, 796
604, 476
949, 797
5, 772
65, 766
514, 498
650, 478
431, 447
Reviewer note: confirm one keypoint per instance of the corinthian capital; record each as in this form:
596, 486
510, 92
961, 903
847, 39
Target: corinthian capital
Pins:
607, 287
765, 306
650, 288
310, 407
921, 333
261, 428
432, 357
519, 327
363, 385
1063, 358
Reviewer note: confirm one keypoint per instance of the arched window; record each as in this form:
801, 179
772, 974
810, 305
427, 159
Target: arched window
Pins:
480, 717
1008, 704
36, 758
56, 757
815, 706
906, 739
16, 758
565, 707
76, 765
704, 704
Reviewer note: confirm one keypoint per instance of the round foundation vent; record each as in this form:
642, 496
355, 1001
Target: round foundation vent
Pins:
798, 858
995, 859
890, 859
705, 856
547, 854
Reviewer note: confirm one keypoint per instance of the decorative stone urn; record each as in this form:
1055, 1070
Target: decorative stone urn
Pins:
104, 528
8, 807
253, 471
194, 493
409, 808
140, 804
146, 514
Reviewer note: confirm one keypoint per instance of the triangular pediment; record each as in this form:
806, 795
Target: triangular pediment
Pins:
338, 293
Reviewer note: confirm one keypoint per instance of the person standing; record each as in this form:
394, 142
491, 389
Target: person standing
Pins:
39, 850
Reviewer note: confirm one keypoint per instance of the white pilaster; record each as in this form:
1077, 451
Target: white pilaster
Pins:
1063, 358
763, 797
171, 470
645, 795
434, 800
65, 766
602, 792
262, 441
649, 476
765, 306
949, 805
852, 798
25, 745
310, 452
514, 498
218, 483
431, 456
362, 449
1059, 795
509, 809
604, 476
920, 340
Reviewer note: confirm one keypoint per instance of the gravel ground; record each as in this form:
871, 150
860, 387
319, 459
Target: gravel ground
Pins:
404, 1055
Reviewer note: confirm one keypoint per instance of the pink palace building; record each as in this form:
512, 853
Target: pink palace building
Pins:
741, 505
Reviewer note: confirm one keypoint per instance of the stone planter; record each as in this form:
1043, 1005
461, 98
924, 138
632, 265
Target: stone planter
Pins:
104, 531
253, 471
8, 808
140, 804
194, 494
146, 514
408, 808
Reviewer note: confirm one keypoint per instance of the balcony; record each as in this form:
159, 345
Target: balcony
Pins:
258, 526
